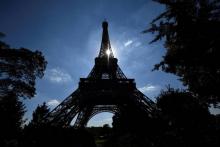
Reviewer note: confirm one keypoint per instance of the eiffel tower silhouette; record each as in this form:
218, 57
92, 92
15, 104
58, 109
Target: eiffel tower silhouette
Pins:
106, 89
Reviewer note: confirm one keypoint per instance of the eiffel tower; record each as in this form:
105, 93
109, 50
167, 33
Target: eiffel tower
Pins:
106, 89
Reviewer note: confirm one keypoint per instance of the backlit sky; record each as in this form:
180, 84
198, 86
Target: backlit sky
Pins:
68, 33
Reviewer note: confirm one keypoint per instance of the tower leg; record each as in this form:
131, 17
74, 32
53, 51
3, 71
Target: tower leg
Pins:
83, 117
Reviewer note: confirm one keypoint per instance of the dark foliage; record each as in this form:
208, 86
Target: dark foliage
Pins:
11, 113
181, 120
19, 69
40, 112
192, 40
100, 132
133, 127
187, 121
2, 35
56, 137
181, 108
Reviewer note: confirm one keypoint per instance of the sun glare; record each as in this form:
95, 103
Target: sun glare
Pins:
108, 52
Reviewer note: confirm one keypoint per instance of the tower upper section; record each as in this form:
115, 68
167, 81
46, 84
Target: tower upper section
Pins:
105, 50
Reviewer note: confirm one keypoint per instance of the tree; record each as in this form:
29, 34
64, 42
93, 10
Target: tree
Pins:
182, 108
188, 122
133, 127
19, 69
192, 39
11, 113
40, 112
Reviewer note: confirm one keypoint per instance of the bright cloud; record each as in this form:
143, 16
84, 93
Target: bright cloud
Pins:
56, 75
150, 90
53, 103
129, 42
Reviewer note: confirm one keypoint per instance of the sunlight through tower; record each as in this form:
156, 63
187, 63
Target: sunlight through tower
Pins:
108, 52
105, 89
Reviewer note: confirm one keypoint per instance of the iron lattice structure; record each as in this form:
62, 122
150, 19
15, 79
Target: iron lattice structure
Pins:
106, 89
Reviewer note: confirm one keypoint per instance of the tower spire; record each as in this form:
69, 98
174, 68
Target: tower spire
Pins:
105, 50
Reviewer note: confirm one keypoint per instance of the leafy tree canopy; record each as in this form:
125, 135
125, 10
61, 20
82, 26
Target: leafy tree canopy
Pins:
182, 108
40, 112
19, 69
192, 41
186, 122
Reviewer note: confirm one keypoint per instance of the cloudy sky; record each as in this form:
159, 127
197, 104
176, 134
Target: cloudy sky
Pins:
68, 33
